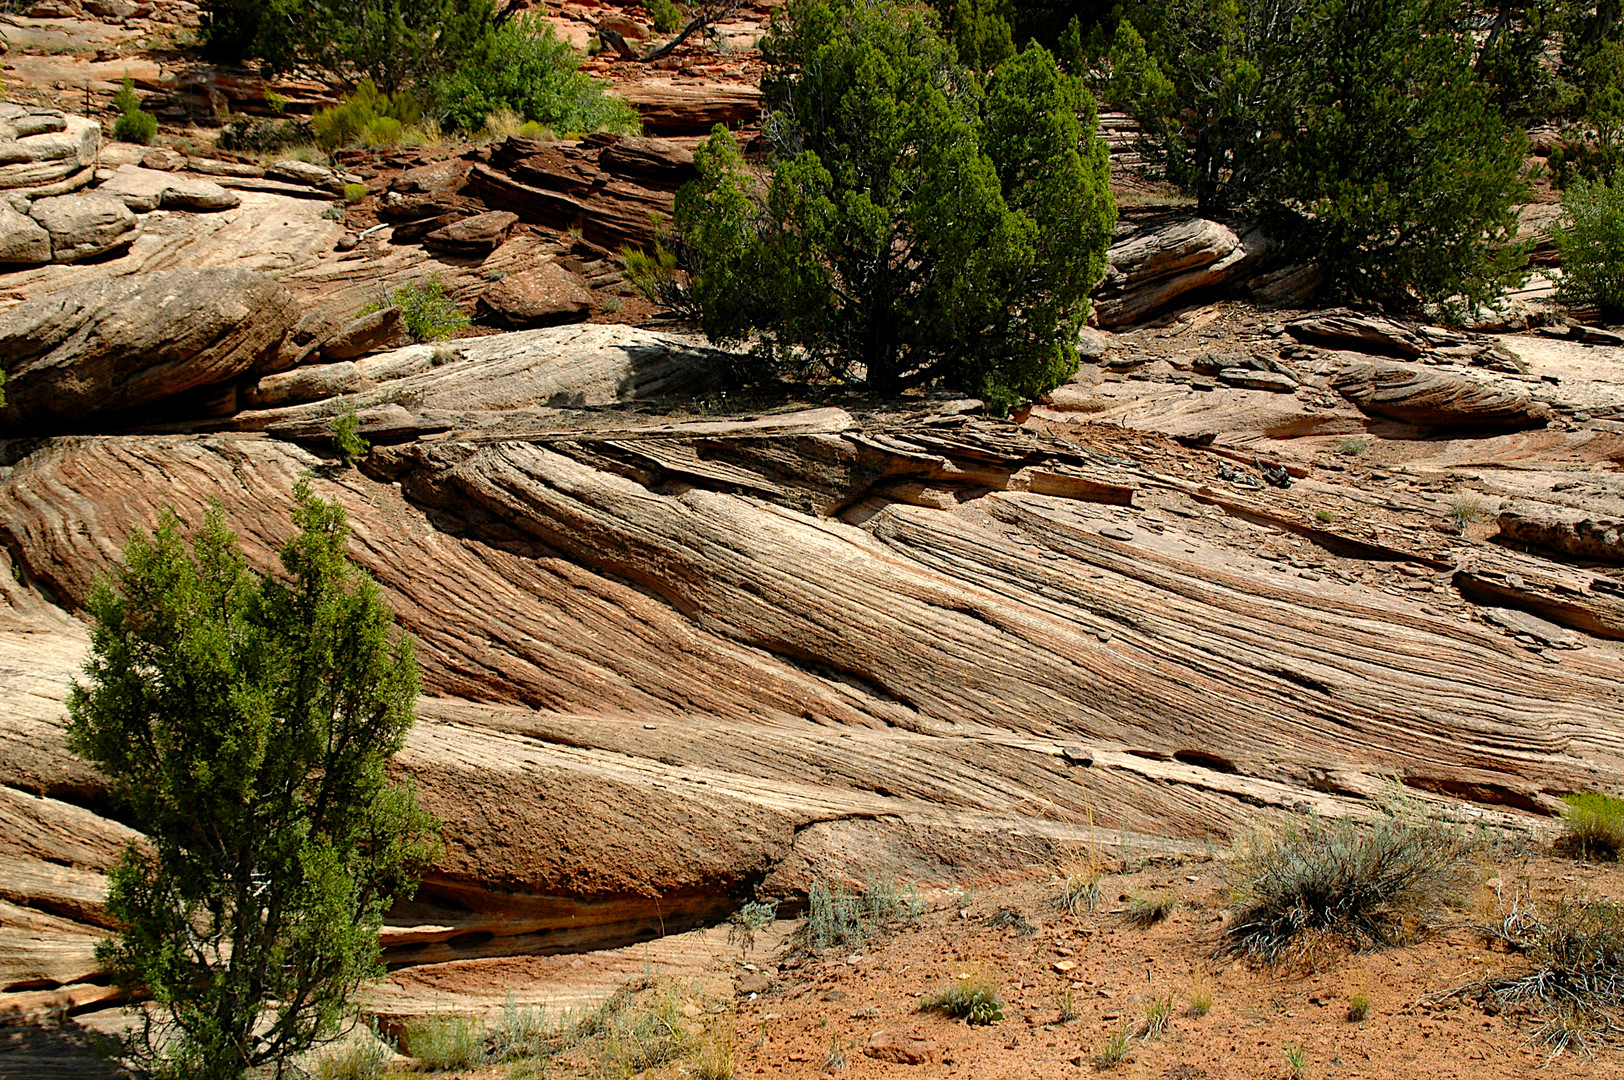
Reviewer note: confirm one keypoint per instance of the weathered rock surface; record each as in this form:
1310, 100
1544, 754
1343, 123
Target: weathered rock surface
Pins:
144, 190
1345, 330
545, 296
476, 235
112, 345
22, 239
366, 333
1437, 399
84, 225
1567, 533
43, 146
1151, 269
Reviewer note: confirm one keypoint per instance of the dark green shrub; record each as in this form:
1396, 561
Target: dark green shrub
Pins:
347, 437
1358, 129
132, 125
1592, 245
525, 67
1593, 826
1364, 885
921, 230
666, 14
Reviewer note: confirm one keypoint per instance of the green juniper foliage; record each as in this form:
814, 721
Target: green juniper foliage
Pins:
1591, 241
917, 224
1357, 129
246, 723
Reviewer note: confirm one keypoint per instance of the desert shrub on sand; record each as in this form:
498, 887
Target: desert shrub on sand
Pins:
837, 916
1151, 908
1367, 886
972, 999
1593, 826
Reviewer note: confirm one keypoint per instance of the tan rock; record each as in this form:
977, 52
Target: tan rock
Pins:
22, 239
84, 225
144, 190
1427, 397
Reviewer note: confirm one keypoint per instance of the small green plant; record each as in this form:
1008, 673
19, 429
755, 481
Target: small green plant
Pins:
362, 1056
368, 117
666, 14
1593, 826
430, 314
1158, 1017
525, 1033
743, 923
354, 193
1466, 509
1079, 884
1066, 1005
837, 916
1358, 1007
347, 438
1114, 1051
132, 125
1366, 886
610, 305
1296, 1060
1200, 994
1324, 517
1592, 246
445, 1042
1150, 909
835, 1060
1352, 447
276, 102
971, 999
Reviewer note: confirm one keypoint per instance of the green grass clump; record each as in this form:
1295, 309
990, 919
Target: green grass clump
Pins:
429, 314
837, 916
1352, 447
1114, 1051
971, 999
1158, 1017
362, 1056
1467, 509
1150, 909
354, 193
1593, 826
1367, 885
1358, 1008
445, 1042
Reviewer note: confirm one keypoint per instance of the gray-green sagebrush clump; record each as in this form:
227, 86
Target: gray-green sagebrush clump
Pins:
245, 724
919, 224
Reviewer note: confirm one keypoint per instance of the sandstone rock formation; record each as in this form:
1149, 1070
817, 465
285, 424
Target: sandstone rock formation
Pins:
82, 226
110, 346
1154, 267
39, 147
143, 190
22, 239
1436, 399
544, 296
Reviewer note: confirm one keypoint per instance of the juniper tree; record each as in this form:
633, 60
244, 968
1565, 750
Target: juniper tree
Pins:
245, 724
914, 224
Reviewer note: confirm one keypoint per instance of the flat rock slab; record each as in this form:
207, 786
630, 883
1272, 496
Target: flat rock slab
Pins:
477, 235
1431, 398
143, 190
83, 226
111, 345
22, 239
545, 296
50, 153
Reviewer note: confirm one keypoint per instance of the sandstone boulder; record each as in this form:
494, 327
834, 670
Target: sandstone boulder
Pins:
1149, 270
293, 171
477, 235
83, 226
366, 333
143, 190
108, 346
544, 296
163, 159
1437, 399
310, 383
49, 147
22, 239
901, 1047
1566, 532
1342, 329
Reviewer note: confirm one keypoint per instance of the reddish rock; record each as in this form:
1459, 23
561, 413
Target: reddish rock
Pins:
901, 1047
544, 296
477, 235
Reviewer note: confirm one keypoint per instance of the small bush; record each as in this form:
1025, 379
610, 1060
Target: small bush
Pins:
743, 923
367, 117
347, 439
132, 125
837, 916
354, 193
972, 1000
1593, 826
445, 1042
1352, 447
1364, 885
524, 67
1150, 909
1592, 247
1079, 883
430, 314
275, 102
1324, 517
1358, 1008
1200, 995
667, 16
